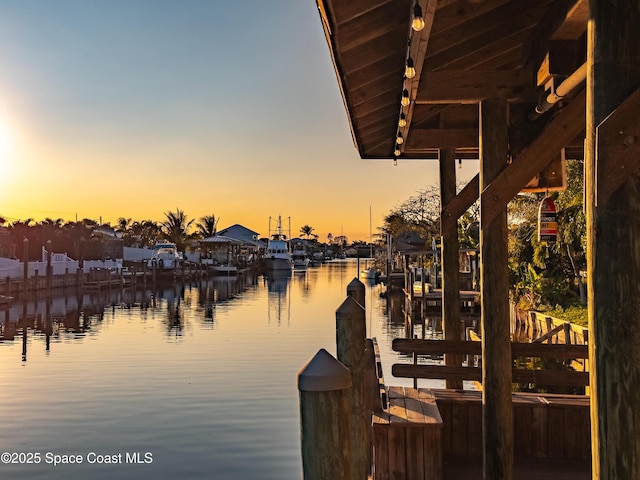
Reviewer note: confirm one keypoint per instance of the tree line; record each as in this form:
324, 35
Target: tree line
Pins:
85, 239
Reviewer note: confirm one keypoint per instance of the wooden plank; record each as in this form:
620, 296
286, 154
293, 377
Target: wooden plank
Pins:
464, 347
397, 409
380, 447
539, 432
550, 334
558, 133
585, 434
567, 378
555, 432
572, 432
414, 452
459, 429
397, 449
455, 208
433, 454
474, 428
522, 430
447, 440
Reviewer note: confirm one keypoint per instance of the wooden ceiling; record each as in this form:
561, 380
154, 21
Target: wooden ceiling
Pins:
469, 50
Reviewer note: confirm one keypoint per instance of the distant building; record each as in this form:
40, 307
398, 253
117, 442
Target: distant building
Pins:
243, 234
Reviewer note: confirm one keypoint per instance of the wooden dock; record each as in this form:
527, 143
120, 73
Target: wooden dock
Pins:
469, 299
436, 434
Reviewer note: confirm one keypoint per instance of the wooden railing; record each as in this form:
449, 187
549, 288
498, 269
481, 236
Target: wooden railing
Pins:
416, 347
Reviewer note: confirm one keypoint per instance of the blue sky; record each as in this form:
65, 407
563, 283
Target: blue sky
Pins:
135, 108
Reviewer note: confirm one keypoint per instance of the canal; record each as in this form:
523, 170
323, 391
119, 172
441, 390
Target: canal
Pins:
182, 381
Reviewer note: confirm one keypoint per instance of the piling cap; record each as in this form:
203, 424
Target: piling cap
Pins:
355, 284
323, 373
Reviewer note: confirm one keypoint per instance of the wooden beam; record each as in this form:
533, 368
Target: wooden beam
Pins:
618, 137
537, 45
558, 351
497, 416
454, 209
613, 243
450, 263
417, 51
428, 138
472, 86
559, 132
565, 378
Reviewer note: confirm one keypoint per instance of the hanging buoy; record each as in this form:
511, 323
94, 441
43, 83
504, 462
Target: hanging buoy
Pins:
547, 221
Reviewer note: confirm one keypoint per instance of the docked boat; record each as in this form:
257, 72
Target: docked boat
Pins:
164, 256
5, 300
371, 273
226, 269
299, 256
278, 256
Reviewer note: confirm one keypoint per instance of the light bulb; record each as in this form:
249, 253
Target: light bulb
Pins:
399, 138
410, 70
418, 22
403, 120
405, 98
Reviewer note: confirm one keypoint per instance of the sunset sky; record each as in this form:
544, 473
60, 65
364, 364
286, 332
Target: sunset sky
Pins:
135, 108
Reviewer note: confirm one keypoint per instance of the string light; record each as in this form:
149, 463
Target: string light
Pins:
399, 138
418, 21
410, 70
396, 151
405, 98
402, 122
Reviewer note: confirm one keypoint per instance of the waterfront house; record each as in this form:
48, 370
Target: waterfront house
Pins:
236, 244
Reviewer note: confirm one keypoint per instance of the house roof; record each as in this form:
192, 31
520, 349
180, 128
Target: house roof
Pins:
468, 51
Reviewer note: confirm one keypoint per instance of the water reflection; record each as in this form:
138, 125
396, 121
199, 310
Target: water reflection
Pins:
201, 374
73, 314
279, 301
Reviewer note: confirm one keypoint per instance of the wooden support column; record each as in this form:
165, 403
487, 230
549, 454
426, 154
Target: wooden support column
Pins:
613, 237
497, 415
450, 262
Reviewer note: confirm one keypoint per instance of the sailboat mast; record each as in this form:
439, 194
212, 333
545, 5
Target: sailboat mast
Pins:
370, 235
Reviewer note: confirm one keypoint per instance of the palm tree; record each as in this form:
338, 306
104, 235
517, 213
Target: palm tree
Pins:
208, 226
176, 228
143, 234
306, 231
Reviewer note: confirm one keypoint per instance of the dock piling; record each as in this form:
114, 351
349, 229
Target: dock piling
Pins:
325, 413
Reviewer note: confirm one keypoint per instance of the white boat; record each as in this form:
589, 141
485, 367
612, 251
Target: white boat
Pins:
224, 269
278, 256
299, 256
164, 256
371, 273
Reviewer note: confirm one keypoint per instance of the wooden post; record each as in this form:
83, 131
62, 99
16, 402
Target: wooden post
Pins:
350, 337
325, 414
49, 268
356, 290
25, 263
613, 238
450, 263
497, 415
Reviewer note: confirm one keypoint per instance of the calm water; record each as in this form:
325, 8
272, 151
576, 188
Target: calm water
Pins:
192, 381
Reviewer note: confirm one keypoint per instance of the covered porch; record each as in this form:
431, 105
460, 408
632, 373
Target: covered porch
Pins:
520, 86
